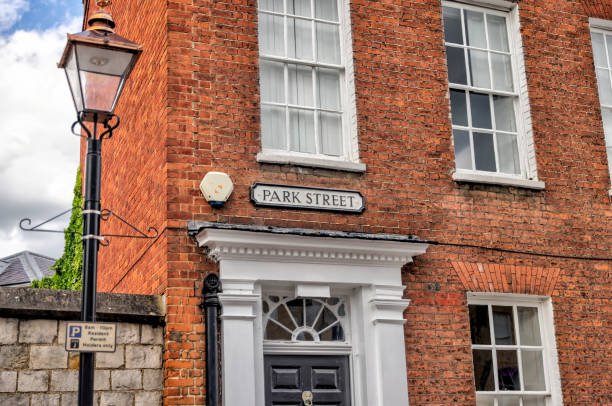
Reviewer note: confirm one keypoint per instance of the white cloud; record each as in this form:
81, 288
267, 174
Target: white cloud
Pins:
38, 154
11, 12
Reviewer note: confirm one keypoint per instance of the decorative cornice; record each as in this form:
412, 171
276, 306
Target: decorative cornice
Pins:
256, 246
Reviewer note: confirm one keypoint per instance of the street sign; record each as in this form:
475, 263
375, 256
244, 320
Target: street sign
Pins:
90, 337
311, 198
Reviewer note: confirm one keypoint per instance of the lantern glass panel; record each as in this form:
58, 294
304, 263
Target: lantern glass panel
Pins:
100, 91
104, 61
73, 80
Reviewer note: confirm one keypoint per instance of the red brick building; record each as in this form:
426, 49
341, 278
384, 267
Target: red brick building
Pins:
479, 271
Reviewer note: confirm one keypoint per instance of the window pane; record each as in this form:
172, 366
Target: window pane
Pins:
607, 123
533, 401
326, 9
452, 25
296, 307
329, 89
502, 72
330, 125
605, 91
271, 5
275, 332
299, 7
300, 85
504, 113
503, 325
455, 59
529, 326
273, 127
599, 50
481, 110
271, 36
463, 151
498, 35
507, 149
485, 401
484, 153
299, 36
479, 69
507, 370
479, 324
272, 79
609, 42
458, 107
475, 29
533, 370
312, 311
301, 124
328, 43
483, 370
334, 333
281, 315
508, 401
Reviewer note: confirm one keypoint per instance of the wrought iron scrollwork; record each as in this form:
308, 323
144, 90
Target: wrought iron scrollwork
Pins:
150, 234
110, 123
26, 222
105, 214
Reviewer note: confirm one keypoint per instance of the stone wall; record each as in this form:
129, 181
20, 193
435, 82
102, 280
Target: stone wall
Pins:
36, 370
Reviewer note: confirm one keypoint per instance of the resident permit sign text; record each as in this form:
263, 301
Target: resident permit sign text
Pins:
300, 197
90, 337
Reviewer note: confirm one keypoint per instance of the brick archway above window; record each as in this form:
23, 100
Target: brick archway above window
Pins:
597, 8
481, 277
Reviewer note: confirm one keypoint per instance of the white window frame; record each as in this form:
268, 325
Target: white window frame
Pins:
528, 177
603, 27
368, 272
349, 161
552, 395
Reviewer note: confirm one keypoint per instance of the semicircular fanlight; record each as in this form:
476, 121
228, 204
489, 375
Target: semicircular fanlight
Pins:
303, 319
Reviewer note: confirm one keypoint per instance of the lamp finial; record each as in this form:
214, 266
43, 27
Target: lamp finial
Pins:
101, 20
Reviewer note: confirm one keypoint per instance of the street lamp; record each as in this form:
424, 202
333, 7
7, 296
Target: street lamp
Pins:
97, 63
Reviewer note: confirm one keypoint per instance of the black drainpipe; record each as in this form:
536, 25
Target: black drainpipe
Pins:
212, 287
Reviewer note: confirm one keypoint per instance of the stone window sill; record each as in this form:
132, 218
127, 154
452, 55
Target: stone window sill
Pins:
498, 180
314, 162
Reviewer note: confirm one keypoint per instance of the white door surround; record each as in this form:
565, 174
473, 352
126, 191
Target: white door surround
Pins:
367, 268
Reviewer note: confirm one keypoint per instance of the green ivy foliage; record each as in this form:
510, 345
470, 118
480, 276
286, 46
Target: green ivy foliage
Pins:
68, 269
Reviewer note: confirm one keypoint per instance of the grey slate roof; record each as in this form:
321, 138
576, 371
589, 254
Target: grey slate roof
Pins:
24, 267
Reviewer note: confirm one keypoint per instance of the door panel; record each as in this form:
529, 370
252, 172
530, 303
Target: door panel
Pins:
287, 376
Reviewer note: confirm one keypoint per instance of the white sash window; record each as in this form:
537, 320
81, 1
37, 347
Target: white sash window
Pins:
602, 55
492, 134
306, 94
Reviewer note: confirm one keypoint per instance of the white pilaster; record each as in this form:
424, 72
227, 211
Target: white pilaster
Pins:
240, 383
386, 354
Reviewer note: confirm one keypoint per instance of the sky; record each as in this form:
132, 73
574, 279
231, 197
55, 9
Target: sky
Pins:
39, 156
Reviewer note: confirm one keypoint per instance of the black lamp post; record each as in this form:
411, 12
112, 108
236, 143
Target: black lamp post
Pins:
97, 62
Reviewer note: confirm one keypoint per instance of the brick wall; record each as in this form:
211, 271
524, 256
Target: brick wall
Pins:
404, 131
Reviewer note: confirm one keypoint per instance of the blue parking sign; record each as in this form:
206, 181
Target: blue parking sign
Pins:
75, 332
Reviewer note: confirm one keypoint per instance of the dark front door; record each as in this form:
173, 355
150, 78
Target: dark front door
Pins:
288, 376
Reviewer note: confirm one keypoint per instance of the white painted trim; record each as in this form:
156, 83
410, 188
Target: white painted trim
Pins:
315, 348
601, 24
290, 158
500, 5
368, 270
249, 246
498, 180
